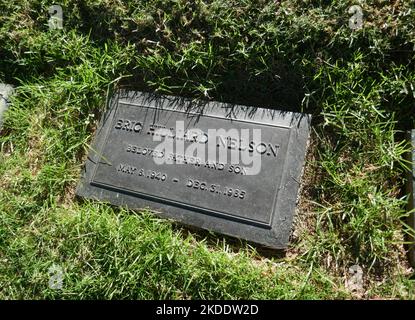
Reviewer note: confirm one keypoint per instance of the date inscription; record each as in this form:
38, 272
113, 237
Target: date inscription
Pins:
191, 183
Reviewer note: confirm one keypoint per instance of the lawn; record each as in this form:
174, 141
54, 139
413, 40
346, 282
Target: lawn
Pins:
292, 55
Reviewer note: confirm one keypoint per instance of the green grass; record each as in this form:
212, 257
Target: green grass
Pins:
295, 55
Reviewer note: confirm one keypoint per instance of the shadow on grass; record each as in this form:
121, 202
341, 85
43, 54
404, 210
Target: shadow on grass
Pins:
281, 87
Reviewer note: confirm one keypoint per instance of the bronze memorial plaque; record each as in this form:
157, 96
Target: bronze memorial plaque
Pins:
226, 168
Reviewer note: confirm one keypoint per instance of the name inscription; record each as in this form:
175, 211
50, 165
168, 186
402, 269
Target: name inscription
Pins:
196, 136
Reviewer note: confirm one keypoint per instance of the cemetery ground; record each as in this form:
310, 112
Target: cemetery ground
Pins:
291, 55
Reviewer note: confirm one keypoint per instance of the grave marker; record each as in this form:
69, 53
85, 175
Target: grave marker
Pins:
226, 168
411, 200
5, 92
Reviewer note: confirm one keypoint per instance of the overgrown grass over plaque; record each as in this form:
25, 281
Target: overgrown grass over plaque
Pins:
295, 55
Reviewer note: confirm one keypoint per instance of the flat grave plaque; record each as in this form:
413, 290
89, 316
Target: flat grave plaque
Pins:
227, 168
410, 186
5, 92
